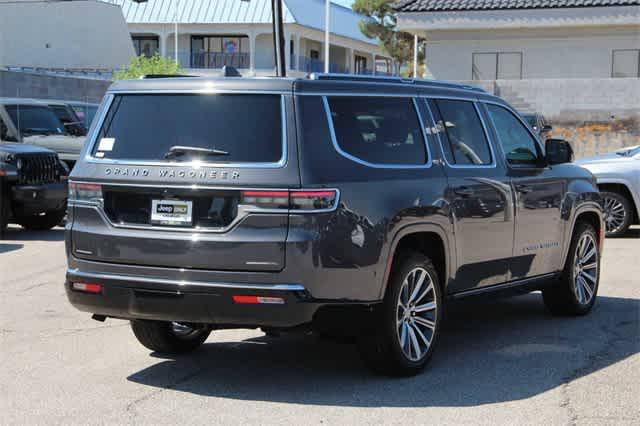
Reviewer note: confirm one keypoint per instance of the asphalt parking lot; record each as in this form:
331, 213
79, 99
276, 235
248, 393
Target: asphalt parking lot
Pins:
503, 361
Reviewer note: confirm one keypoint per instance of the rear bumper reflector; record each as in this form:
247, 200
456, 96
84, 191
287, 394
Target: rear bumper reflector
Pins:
87, 287
257, 300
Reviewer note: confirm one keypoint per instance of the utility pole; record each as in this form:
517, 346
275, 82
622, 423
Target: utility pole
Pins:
327, 26
415, 56
177, 2
278, 38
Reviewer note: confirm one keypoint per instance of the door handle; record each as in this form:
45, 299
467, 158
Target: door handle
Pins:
464, 191
525, 189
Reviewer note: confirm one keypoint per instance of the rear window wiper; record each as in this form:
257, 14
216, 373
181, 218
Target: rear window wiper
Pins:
177, 151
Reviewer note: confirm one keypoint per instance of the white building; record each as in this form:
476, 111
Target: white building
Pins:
69, 35
213, 33
526, 39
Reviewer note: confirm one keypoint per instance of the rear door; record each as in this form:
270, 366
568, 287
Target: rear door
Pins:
478, 192
539, 190
175, 174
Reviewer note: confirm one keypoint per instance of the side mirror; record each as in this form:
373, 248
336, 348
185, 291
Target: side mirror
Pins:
559, 151
546, 128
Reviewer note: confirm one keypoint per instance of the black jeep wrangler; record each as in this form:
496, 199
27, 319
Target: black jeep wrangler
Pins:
352, 205
33, 187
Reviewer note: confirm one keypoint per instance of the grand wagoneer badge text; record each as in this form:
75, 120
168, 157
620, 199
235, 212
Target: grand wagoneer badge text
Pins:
174, 174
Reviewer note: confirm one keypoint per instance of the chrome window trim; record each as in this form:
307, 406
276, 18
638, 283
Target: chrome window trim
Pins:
359, 94
355, 159
519, 118
488, 137
74, 272
89, 158
212, 91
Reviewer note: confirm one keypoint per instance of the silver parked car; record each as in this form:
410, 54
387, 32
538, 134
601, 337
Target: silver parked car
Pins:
34, 122
618, 175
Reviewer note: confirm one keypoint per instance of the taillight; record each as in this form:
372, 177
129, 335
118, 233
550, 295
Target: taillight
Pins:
266, 199
297, 200
85, 193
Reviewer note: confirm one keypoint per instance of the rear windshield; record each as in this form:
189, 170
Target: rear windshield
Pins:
217, 128
35, 119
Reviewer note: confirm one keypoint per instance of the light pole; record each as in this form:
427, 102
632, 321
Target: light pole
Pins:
177, 2
415, 56
278, 38
327, 25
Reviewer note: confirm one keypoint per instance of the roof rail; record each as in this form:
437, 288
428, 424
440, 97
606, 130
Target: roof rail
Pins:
393, 79
146, 76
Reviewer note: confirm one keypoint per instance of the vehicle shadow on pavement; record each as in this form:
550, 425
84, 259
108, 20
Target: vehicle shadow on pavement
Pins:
6, 248
489, 352
14, 233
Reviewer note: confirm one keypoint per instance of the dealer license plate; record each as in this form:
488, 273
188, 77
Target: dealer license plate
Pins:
172, 212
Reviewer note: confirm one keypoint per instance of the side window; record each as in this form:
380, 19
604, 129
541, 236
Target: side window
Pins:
4, 132
518, 145
463, 134
382, 131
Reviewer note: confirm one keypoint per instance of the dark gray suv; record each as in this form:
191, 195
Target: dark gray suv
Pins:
353, 206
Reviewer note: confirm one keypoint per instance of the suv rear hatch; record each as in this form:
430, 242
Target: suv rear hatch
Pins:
188, 180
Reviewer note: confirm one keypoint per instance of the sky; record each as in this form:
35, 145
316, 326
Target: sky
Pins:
347, 3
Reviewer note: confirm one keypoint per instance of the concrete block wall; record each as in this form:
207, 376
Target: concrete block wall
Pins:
33, 85
596, 115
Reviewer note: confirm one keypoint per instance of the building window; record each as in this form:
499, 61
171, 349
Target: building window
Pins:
146, 45
218, 51
292, 55
625, 63
496, 66
360, 64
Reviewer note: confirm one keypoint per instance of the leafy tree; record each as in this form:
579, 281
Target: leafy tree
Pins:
142, 65
382, 25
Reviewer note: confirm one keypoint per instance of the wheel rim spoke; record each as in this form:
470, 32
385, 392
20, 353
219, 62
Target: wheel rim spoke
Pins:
614, 213
414, 343
426, 307
418, 279
422, 337
425, 322
586, 269
416, 314
586, 288
423, 293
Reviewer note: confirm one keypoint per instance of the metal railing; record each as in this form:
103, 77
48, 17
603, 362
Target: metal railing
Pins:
217, 60
306, 64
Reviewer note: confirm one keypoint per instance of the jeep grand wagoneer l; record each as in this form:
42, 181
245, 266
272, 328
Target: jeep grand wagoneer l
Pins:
342, 203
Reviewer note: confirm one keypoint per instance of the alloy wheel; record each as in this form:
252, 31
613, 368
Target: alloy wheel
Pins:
416, 314
614, 214
585, 269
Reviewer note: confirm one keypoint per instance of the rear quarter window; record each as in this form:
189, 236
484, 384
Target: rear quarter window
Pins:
377, 130
248, 128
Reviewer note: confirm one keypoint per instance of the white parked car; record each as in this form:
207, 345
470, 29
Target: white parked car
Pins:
618, 175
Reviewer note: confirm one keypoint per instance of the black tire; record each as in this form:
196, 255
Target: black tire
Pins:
42, 222
5, 208
619, 227
162, 337
381, 348
563, 297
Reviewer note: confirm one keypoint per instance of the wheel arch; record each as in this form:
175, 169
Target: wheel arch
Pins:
430, 239
591, 213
